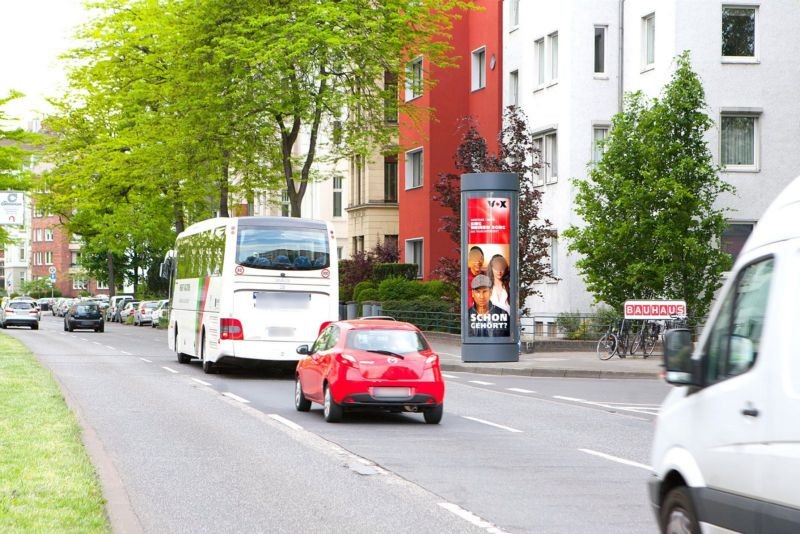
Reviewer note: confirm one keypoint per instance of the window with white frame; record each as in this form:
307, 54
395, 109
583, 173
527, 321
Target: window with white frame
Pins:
547, 148
78, 283
48, 234
414, 78
599, 134
48, 257
538, 53
414, 254
739, 32
552, 40
513, 88
739, 142
600, 49
479, 69
553, 252
513, 11
99, 284
22, 254
648, 40
337, 196
414, 169
37, 258
74, 258
39, 235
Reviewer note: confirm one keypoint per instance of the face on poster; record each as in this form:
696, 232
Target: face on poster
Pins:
488, 267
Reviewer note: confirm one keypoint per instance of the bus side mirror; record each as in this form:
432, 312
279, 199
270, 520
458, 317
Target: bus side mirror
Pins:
165, 271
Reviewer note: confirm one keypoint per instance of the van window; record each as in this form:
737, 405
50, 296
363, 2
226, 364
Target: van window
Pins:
734, 338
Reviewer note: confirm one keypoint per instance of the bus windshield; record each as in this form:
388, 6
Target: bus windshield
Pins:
284, 249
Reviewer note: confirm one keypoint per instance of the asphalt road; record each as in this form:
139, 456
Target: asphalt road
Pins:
182, 451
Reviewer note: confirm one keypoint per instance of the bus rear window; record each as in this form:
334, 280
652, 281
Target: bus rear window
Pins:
284, 249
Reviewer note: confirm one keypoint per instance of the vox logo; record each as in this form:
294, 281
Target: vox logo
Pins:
496, 203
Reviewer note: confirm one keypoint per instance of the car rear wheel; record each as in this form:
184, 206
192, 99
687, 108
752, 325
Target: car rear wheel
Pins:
35, 326
332, 411
70, 327
677, 513
433, 415
301, 403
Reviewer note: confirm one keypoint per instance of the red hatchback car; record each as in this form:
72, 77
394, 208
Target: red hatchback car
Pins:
359, 364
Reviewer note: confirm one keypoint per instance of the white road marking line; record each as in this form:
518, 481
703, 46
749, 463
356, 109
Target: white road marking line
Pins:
236, 397
126, 353
170, 370
96, 342
648, 409
83, 339
568, 398
109, 347
290, 424
201, 382
481, 383
146, 360
520, 390
634, 404
617, 459
470, 517
449, 376
483, 421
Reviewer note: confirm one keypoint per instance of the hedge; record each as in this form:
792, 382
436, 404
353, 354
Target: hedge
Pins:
382, 271
428, 315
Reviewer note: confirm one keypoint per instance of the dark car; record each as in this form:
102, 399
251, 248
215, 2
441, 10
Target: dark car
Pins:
84, 315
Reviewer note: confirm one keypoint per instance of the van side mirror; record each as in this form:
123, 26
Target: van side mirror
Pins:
678, 348
303, 349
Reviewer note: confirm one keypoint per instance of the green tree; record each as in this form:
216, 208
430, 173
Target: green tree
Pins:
651, 229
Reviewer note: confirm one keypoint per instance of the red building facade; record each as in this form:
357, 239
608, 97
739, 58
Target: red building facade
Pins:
472, 89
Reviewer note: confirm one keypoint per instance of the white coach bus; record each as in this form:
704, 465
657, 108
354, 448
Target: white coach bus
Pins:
251, 288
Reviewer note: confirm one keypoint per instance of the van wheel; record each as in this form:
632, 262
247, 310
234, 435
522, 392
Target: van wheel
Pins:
677, 513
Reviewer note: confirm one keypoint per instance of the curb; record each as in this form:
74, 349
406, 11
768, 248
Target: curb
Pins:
553, 373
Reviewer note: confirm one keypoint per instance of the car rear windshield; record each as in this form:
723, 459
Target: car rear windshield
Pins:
86, 308
284, 249
398, 341
21, 305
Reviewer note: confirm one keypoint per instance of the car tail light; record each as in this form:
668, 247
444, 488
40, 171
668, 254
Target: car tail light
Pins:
347, 360
34, 311
231, 329
9, 310
431, 360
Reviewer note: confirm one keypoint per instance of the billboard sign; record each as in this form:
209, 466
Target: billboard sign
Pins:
12, 208
654, 309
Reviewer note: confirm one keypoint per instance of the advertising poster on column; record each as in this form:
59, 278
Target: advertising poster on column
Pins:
12, 208
488, 267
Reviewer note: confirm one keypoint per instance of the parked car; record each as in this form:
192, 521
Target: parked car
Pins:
143, 313
31, 302
372, 364
84, 315
127, 310
116, 305
63, 306
725, 452
161, 310
19, 313
44, 303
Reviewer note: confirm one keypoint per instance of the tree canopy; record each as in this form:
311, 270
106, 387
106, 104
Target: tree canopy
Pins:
650, 226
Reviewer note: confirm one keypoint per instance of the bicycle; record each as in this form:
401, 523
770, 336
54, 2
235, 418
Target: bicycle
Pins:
608, 343
625, 345
647, 338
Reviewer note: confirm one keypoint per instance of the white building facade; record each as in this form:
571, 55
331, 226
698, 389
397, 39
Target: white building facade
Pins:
567, 64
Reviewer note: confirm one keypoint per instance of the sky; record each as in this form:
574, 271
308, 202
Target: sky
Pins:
32, 35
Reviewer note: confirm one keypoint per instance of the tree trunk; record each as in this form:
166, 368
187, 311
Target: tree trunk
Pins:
223, 186
112, 286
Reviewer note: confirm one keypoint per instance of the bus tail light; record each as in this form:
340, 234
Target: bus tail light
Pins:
231, 329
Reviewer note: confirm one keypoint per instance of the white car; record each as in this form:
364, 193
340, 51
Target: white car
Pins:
161, 310
726, 451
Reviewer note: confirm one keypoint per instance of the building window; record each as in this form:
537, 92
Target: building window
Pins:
339, 252
337, 196
390, 179
414, 169
734, 237
649, 40
22, 254
600, 49
414, 254
538, 48
514, 13
513, 88
48, 257
479, 69
553, 42
390, 97
547, 148
78, 283
739, 142
39, 235
99, 284
554, 256
739, 32
48, 234
74, 258
414, 79
285, 203
37, 258
599, 134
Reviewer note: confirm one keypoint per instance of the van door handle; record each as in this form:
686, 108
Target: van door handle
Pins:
750, 412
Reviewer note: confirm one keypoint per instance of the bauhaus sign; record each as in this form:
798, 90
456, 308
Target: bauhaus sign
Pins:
654, 309
12, 207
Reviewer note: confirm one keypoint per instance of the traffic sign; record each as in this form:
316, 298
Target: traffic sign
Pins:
53, 277
52, 269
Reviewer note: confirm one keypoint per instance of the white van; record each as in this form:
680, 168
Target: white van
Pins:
726, 451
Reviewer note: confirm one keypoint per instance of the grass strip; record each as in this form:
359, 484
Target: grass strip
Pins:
47, 483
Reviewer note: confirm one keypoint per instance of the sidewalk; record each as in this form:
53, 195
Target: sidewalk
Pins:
553, 364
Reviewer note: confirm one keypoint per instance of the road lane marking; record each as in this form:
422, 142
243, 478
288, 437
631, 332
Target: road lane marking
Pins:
83, 339
290, 424
481, 383
96, 342
573, 399
236, 397
170, 370
146, 360
109, 347
483, 421
449, 376
126, 353
201, 382
470, 517
648, 409
520, 390
617, 459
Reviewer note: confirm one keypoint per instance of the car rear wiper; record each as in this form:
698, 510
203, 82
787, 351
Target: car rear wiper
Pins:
388, 353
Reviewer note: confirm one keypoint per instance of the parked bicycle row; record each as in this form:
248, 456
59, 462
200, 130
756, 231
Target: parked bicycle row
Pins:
628, 337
